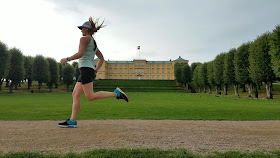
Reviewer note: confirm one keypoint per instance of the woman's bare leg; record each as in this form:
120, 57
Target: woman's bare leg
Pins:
78, 90
88, 90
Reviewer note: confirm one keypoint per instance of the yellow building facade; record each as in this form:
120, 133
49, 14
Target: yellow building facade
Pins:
139, 69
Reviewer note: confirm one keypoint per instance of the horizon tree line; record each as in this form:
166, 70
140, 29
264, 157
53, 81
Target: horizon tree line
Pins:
250, 65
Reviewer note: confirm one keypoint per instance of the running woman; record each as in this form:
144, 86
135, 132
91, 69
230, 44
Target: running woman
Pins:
87, 50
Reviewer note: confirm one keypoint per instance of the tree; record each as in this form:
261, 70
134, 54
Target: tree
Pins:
260, 63
202, 76
210, 75
76, 70
60, 73
41, 71
4, 62
241, 66
218, 66
178, 72
28, 66
195, 78
194, 65
16, 70
229, 74
53, 69
275, 50
186, 75
68, 74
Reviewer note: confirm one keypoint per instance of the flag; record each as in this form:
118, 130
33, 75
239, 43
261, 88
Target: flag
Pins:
138, 47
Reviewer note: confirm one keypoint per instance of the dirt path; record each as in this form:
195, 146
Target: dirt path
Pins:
46, 136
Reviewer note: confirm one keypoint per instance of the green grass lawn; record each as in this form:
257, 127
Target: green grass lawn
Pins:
143, 153
142, 105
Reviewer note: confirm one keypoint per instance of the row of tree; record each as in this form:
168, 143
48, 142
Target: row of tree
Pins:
251, 64
16, 68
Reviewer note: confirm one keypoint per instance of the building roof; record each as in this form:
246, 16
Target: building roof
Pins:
180, 59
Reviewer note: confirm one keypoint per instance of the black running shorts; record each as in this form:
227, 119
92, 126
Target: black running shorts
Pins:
87, 75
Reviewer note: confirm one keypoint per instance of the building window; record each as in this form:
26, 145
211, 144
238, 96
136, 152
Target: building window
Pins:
158, 65
163, 77
110, 70
142, 64
148, 77
153, 65
115, 77
168, 65
120, 71
142, 70
110, 77
130, 65
148, 71
136, 77
168, 77
135, 70
153, 71
168, 71
125, 71
158, 71
115, 65
115, 71
163, 71
158, 77
153, 77
136, 64
130, 77
120, 65
110, 65
120, 76
100, 75
125, 65
125, 77
131, 71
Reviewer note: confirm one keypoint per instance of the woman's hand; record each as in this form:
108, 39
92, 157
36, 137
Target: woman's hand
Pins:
63, 61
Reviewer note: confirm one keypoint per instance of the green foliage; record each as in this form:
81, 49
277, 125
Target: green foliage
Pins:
260, 68
241, 63
178, 72
16, 69
41, 70
67, 74
275, 50
218, 66
53, 69
76, 69
28, 66
186, 74
194, 65
202, 75
229, 74
4, 60
195, 77
210, 73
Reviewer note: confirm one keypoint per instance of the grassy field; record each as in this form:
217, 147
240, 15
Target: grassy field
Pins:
143, 153
142, 105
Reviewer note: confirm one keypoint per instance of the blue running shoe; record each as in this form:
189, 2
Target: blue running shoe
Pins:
121, 94
68, 124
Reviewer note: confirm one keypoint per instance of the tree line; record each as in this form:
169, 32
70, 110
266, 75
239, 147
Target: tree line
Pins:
15, 68
250, 65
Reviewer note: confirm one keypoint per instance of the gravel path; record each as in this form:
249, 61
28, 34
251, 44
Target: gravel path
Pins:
197, 136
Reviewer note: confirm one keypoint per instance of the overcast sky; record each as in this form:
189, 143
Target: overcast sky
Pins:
196, 30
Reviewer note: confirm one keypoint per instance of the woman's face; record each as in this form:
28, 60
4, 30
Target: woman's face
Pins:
84, 31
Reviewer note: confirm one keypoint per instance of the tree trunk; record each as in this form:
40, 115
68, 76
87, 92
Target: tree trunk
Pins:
50, 89
187, 86
210, 90
225, 89
244, 88
236, 90
268, 90
7, 83
217, 89
56, 85
204, 89
40, 87
29, 83
1, 81
256, 91
11, 87
16, 85
250, 90
67, 87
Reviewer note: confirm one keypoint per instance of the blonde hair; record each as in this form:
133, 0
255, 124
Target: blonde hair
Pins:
95, 26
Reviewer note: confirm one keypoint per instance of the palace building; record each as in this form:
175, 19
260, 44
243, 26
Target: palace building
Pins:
139, 69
